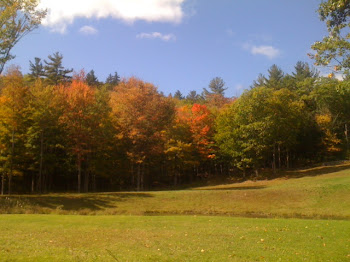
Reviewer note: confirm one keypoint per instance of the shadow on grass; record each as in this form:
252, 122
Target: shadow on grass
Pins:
72, 202
232, 188
316, 171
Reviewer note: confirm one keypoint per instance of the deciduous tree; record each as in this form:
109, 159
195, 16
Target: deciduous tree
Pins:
334, 48
17, 19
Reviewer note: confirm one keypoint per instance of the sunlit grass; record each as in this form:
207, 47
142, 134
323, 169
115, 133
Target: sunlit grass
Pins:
171, 238
315, 193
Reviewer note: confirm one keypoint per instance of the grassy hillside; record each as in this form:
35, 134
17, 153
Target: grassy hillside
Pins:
321, 192
171, 238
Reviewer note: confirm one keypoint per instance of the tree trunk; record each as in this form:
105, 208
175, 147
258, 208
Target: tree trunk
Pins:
40, 179
138, 177
274, 159
12, 157
87, 175
94, 182
33, 184
3, 184
142, 176
175, 179
133, 183
287, 158
279, 156
347, 139
86, 182
79, 173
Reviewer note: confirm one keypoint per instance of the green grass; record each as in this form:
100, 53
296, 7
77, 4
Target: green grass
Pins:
171, 238
266, 226
321, 192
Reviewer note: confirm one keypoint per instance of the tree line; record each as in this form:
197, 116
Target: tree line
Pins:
61, 131
70, 132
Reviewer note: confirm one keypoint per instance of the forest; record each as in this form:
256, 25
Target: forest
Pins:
63, 131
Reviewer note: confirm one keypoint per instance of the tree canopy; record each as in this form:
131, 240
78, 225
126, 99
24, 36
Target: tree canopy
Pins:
334, 49
17, 19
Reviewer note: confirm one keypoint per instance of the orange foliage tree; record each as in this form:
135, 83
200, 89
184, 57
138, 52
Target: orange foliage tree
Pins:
141, 115
200, 122
79, 120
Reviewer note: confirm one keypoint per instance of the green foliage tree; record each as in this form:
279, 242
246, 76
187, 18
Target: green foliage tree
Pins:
336, 46
275, 77
178, 95
91, 79
43, 133
303, 71
261, 124
36, 69
112, 81
216, 86
54, 71
17, 19
193, 97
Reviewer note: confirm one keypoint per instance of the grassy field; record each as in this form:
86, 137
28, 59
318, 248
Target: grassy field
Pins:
321, 192
254, 221
171, 238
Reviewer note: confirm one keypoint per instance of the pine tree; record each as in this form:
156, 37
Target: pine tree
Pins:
36, 69
217, 86
112, 81
54, 71
275, 77
193, 97
178, 95
303, 71
91, 79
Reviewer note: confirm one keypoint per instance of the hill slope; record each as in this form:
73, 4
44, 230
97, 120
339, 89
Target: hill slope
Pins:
321, 192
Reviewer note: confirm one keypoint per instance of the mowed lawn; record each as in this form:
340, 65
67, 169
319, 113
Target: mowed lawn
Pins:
322, 192
171, 238
250, 221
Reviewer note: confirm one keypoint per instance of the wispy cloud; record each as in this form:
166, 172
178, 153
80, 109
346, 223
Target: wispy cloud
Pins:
63, 13
230, 32
155, 35
88, 30
265, 50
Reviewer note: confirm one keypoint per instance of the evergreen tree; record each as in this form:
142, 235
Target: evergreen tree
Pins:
303, 71
36, 69
91, 79
54, 71
260, 81
178, 95
275, 77
216, 86
193, 97
112, 81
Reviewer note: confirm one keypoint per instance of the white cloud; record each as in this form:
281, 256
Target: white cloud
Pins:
88, 30
155, 35
266, 50
63, 13
269, 51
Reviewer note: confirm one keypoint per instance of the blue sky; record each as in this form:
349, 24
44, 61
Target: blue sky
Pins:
176, 44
